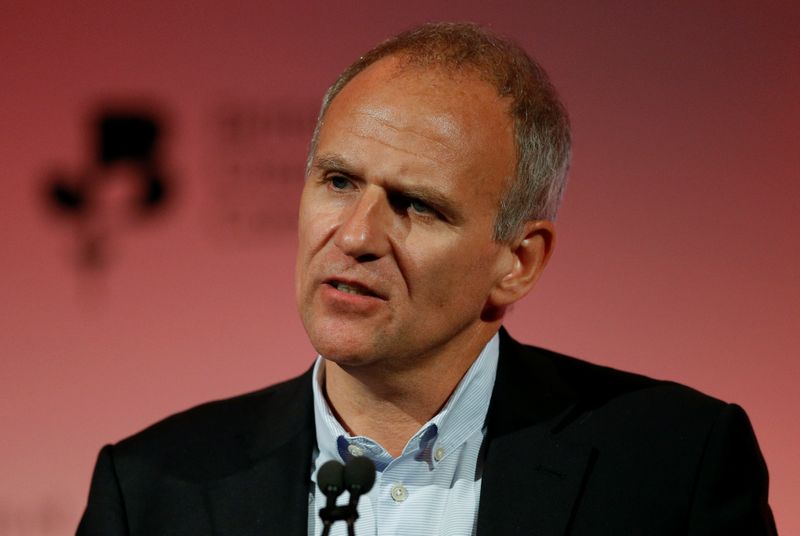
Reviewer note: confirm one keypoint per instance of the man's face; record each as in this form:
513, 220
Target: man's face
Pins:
396, 260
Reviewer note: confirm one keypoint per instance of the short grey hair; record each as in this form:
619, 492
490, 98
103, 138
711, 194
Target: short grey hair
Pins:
541, 125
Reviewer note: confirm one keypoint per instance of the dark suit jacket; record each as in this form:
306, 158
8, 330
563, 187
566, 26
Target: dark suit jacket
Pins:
571, 448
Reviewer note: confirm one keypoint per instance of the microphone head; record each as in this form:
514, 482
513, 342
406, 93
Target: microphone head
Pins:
359, 475
330, 478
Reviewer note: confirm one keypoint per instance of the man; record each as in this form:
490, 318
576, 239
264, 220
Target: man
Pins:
433, 179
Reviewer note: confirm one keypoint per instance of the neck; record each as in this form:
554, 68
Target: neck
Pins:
390, 404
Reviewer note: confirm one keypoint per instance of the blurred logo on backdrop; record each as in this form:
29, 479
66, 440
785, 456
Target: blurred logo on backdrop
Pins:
249, 160
122, 184
255, 165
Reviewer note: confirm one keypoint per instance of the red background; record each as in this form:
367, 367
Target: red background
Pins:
679, 238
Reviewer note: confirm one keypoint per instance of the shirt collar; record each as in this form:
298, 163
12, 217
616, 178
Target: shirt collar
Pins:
462, 415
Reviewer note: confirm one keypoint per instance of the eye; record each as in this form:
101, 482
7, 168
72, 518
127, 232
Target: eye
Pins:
339, 182
419, 207
413, 205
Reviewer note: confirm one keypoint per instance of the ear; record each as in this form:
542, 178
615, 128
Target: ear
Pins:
528, 256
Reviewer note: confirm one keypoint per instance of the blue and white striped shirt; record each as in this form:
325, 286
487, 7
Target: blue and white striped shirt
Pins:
434, 486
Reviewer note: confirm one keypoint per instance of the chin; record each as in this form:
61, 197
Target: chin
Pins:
343, 349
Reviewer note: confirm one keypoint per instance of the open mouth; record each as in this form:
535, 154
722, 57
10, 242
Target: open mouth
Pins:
352, 288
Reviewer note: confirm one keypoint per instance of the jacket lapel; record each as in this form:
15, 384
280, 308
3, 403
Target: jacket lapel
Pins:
269, 498
270, 495
531, 478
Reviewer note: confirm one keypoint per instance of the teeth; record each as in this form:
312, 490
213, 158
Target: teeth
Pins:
350, 290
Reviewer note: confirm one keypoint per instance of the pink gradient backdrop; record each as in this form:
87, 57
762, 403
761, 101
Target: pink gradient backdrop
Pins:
679, 240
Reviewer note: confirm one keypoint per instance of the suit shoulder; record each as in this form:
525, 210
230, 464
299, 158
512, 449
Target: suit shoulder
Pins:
598, 386
619, 411
601, 383
220, 434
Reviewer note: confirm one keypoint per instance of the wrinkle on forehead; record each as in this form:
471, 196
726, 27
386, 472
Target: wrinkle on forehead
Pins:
397, 148
386, 125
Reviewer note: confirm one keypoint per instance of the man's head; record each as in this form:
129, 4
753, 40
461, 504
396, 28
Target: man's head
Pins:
541, 125
399, 259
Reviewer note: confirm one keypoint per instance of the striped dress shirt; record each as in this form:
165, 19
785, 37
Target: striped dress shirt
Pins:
434, 486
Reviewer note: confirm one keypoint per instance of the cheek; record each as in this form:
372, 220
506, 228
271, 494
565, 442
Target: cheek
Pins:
306, 246
315, 229
459, 276
315, 224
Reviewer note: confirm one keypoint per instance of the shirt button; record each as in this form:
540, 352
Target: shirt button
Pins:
355, 450
438, 454
399, 493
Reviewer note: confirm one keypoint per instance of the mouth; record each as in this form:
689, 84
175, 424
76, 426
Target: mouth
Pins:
352, 287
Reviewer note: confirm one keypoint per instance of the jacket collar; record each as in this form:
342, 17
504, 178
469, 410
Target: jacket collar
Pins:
531, 477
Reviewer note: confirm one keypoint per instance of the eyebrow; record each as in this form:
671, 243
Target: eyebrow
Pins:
331, 162
429, 196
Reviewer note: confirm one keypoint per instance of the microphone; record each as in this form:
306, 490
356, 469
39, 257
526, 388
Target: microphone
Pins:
330, 479
359, 476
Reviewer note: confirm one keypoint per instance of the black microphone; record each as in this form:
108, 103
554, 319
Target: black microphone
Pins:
330, 479
359, 476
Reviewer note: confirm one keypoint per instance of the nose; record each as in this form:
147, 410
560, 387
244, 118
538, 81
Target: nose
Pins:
363, 233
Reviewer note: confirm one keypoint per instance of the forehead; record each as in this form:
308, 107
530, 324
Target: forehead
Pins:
430, 114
